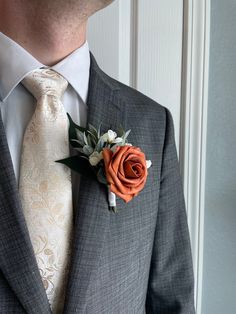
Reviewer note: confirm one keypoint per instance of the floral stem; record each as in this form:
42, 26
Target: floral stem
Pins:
113, 208
112, 200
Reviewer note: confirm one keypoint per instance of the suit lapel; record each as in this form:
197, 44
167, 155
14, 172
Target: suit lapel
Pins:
92, 214
17, 261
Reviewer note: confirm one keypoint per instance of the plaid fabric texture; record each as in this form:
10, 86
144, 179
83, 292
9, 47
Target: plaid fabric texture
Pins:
133, 262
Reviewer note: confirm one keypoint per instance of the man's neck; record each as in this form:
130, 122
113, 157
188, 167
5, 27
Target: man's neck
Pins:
48, 37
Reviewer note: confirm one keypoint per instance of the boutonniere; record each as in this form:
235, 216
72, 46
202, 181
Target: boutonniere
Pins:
110, 158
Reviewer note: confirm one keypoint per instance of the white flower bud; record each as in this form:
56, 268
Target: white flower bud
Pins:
148, 163
95, 158
109, 136
118, 140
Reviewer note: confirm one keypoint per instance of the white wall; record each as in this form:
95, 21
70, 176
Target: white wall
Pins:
139, 42
219, 275
103, 38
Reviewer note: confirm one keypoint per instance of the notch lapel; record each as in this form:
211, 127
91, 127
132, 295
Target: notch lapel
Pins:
17, 260
92, 214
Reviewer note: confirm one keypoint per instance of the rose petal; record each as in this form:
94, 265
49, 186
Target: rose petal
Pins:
125, 197
107, 156
128, 181
126, 170
130, 167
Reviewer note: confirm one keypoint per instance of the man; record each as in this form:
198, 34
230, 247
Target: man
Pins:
59, 258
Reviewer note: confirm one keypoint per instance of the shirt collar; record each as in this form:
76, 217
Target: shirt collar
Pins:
75, 69
16, 63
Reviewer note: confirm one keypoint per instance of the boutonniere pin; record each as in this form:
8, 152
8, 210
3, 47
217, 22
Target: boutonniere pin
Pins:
109, 157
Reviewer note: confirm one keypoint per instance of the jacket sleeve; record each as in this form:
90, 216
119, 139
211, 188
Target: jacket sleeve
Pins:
171, 285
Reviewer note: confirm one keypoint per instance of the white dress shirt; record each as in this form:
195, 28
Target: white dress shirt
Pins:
17, 105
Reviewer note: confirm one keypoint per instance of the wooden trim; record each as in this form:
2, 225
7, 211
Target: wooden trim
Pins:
125, 41
196, 39
128, 30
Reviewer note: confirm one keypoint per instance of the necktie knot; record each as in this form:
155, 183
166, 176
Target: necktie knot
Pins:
45, 82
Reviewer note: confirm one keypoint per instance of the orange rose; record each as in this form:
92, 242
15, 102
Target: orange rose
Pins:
126, 171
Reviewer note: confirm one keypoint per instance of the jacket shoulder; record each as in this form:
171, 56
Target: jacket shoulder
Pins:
141, 105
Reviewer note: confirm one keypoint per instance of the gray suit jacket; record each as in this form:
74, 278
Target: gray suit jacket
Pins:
135, 261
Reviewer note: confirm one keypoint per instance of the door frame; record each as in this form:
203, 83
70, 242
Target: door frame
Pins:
193, 126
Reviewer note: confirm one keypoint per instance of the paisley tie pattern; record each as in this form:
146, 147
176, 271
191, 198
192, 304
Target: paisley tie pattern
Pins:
45, 186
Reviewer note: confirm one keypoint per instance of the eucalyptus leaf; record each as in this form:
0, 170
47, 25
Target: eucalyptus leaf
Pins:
100, 145
89, 139
99, 130
127, 134
80, 136
79, 149
120, 132
101, 176
113, 148
85, 139
94, 142
88, 150
93, 130
93, 138
74, 142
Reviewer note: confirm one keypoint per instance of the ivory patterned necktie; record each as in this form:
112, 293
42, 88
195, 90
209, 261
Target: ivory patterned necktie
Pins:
45, 186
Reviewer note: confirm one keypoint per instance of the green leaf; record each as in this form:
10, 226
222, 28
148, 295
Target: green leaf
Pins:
93, 138
88, 150
76, 143
99, 130
80, 150
93, 130
127, 134
76, 126
85, 139
78, 164
80, 137
99, 145
101, 176
120, 132
72, 128
89, 139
